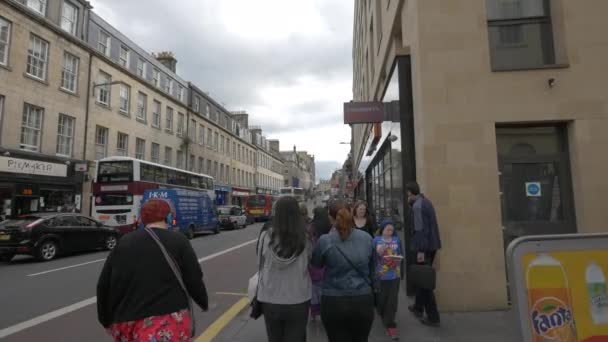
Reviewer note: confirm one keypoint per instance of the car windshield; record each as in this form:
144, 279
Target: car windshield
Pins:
224, 210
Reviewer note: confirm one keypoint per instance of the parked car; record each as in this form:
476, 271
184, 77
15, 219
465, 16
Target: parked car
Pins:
232, 216
47, 235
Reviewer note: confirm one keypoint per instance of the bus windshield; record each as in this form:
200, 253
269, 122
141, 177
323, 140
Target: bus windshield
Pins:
286, 191
297, 191
256, 201
113, 199
115, 171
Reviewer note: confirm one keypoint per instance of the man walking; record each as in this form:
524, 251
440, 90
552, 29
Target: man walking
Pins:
425, 244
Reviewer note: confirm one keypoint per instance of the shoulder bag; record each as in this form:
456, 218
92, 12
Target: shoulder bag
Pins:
254, 286
368, 280
178, 274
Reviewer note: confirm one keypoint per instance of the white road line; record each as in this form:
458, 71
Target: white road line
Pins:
65, 268
46, 317
77, 306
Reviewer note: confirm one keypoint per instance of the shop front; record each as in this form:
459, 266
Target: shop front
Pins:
265, 191
239, 196
222, 194
31, 183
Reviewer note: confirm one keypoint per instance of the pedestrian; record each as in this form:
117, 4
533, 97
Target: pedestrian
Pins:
139, 294
389, 254
304, 213
320, 226
425, 243
363, 219
347, 303
284, 283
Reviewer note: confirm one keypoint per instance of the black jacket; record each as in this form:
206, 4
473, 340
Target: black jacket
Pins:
136, 282
370, 226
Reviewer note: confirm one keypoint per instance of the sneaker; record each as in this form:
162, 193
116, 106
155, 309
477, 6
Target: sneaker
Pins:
392, 333
415, 311
429, 323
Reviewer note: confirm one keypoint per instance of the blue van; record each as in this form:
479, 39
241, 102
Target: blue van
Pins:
192, 211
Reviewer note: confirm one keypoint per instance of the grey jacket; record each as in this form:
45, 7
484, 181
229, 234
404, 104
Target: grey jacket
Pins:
283, 281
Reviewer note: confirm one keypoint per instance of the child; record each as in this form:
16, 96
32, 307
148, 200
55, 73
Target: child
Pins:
389, 255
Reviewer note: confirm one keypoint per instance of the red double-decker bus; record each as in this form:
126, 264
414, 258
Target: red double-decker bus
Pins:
259, 207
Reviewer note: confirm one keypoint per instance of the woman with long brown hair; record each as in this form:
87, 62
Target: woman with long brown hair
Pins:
347, 304
364, 220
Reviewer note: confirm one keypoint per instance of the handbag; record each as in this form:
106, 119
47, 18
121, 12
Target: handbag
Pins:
178, 274
423, 276
368, 280
254, 286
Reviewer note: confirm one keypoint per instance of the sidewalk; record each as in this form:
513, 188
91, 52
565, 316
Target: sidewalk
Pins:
497, 326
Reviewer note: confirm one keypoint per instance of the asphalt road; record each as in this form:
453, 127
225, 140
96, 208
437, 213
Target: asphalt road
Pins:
64, 289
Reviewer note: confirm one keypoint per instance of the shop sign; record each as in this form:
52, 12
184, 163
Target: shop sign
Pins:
240, 193
114, 187
533, 189
363, 112
559, 286
32, 167
222, 188
81, 167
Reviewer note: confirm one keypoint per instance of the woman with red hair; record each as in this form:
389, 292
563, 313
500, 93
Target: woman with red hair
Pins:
347, 303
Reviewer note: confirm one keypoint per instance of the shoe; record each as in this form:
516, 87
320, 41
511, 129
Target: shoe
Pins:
415, 311
392, 333
429, 323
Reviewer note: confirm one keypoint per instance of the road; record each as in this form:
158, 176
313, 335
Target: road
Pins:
55, 301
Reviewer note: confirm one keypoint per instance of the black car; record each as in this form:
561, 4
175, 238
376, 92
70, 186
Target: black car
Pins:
46, 235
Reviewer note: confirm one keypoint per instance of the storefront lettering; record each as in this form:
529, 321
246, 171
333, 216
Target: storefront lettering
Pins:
33, 167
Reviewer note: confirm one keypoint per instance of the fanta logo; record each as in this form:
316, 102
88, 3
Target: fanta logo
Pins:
551, 315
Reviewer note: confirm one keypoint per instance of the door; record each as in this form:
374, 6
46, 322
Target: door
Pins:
535, 181
66, 227
92, 236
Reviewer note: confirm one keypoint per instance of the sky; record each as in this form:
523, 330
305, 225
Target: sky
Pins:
288, 63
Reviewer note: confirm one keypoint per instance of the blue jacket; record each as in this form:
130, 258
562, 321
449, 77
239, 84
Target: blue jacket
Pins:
425, 235
340, 279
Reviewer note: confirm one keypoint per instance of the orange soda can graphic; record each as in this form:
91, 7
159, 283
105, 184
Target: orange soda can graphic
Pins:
549, 301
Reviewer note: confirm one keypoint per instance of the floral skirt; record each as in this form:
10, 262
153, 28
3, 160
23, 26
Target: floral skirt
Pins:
173, 327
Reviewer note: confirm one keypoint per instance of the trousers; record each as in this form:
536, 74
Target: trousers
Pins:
388, 302
347, 319
425, 299
286, 323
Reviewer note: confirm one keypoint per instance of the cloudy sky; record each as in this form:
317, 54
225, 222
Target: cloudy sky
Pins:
286, 62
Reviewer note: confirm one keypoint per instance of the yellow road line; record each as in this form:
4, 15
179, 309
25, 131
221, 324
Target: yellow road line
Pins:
231, 294
219, 324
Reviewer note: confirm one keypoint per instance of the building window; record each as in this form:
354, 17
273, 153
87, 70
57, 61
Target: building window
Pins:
103, 43
140, 148
201, 135
207, 110
209, 138
31, 124
156, 107
196, 104
228, 147
168, 156
216, 137
180, 124
156, 78
169, 120
191, 163
123, 59
69, 17
142, 106
234, 150
103, 92
520, 33
201, 165
181, 95
5, 37
215, 168
37, 58
209, 164
101, 142
125, 96
155, 153
141, 68
169, 86
65, 135
180, 159
122, 144
221, 176
192, 130
222, 144
37, 5
69, 74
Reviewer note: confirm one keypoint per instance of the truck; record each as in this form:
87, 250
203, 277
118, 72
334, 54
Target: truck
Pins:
192, 212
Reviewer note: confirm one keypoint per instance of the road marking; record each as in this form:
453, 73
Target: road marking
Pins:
65, 268
231, 294
219, 324
77, 306
46, 317
214, 255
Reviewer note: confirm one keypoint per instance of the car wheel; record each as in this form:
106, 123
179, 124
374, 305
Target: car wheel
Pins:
190, 233
6, 257
235, 225
217, 229
47, 251
111, 242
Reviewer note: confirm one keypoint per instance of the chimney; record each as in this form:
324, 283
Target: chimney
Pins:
274, 145
294, 148
167, 59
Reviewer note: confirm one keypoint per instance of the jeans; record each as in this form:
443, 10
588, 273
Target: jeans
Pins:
347, 319
388, 302
286, 323
425, 299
